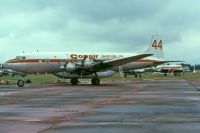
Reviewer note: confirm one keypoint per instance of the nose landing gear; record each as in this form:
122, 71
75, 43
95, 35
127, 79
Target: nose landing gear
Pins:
20, 83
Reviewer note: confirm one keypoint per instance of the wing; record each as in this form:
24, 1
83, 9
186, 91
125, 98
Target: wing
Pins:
121, 61
91, 65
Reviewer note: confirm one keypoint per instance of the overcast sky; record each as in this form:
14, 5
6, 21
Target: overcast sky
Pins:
100, 26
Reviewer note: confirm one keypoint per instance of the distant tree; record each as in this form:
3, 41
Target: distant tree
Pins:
197, 66
191, 67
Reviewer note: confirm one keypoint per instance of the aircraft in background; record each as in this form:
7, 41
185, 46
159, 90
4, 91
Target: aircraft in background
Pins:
186, 69
136, 72
176, 70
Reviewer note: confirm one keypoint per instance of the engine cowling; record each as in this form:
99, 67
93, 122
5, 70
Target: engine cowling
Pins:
70, 67
88, 63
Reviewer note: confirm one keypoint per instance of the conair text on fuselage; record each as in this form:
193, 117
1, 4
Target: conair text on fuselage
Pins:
80, 56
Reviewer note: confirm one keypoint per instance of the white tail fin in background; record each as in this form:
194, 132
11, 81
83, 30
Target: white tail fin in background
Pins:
156, 46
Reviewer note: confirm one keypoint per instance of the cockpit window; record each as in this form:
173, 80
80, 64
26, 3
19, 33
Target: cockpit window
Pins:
20, 57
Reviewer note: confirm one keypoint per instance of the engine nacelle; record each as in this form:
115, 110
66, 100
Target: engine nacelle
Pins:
107, 73
70, 67
102, 74
88, 63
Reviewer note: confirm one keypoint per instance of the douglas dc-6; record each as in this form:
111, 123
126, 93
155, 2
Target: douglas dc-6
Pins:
80, 65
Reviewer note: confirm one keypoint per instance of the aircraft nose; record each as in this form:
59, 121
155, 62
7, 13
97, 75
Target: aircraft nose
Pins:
4, 66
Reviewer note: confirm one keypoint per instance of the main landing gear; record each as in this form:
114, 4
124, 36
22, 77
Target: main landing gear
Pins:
74, 81
138, 75
94, 81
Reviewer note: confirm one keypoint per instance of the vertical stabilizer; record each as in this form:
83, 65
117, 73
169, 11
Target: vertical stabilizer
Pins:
156, 46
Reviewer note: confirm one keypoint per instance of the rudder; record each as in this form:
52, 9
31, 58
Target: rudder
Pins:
156, 46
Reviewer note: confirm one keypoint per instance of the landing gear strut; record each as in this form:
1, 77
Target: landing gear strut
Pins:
74, 81
95, 81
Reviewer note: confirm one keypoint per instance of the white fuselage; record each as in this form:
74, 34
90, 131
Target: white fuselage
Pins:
52, 63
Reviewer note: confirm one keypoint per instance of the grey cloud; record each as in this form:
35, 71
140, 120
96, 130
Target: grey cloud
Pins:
96, 25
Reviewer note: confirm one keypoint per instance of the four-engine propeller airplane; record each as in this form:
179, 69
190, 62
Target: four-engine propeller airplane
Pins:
72, 66
79, 65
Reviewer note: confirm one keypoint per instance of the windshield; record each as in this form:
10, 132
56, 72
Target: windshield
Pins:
20, 57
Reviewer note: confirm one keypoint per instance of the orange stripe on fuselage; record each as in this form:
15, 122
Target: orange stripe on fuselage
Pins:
38, 60
61, 60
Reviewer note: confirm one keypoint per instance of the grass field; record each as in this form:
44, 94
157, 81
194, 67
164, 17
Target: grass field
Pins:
49, 78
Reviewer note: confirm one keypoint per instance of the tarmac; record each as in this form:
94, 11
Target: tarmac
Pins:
146, 106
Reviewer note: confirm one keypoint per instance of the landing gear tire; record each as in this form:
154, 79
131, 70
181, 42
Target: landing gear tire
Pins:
20, 83
74, 81
136, 76
95, 81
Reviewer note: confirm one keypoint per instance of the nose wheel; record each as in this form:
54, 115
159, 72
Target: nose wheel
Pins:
20, 83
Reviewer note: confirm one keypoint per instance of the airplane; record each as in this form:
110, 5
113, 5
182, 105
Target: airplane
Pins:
83, 65
71, 65
137, 72
177, 70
